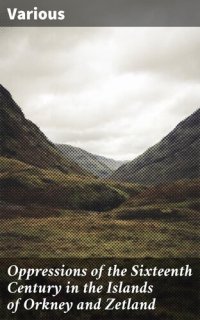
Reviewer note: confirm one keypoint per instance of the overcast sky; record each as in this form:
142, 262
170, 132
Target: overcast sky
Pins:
111, 91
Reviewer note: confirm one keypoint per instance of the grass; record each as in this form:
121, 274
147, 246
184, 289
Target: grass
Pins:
84, 234
172, 201
8, 164
47, 213
176, 192
25, 184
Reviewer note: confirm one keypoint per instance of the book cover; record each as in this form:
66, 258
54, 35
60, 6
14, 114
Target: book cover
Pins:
99, 159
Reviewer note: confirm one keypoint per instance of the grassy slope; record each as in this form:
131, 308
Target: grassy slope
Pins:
174, 200
93, 235
159, 222
25, 184
62, 232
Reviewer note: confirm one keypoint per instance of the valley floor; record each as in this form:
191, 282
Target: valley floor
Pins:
90, 234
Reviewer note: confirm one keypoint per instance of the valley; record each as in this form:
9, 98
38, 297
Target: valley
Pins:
52, 205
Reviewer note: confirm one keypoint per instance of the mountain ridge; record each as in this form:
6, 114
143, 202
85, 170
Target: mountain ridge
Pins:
23, 140
159, 163
99, 166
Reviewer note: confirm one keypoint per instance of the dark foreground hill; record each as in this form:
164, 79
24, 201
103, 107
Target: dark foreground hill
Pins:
97, 165
175, 157
26, 185
22, 140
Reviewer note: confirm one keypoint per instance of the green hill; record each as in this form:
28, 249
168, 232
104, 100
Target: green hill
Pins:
25, 184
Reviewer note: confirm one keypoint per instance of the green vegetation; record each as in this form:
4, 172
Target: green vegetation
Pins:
83, 234
8, 164
46, 213
26, 184
172, 201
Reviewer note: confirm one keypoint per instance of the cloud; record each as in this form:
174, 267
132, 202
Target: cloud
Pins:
166, 52
112, 91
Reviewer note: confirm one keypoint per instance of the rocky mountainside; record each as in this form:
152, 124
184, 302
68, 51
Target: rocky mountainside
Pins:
97, 165
175, 157
22, 140
111, 163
